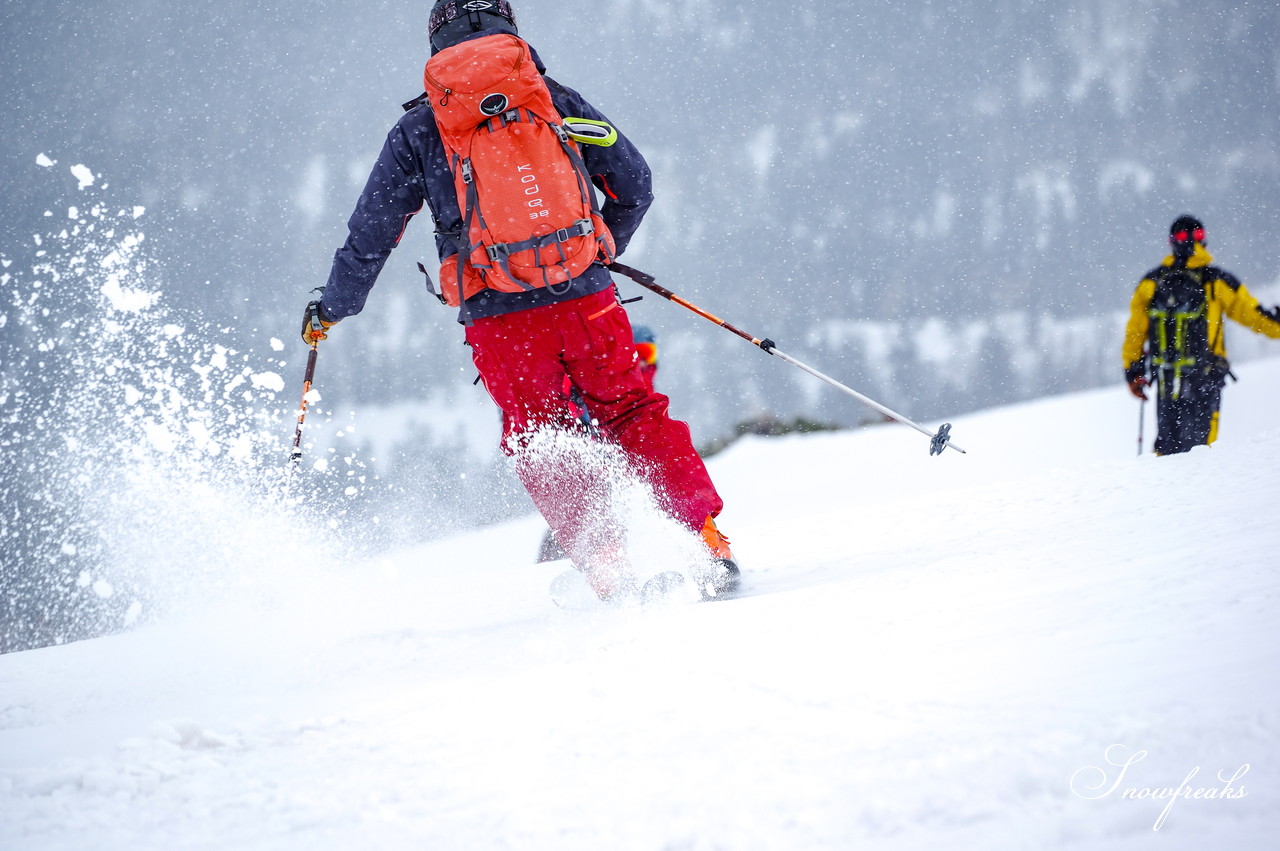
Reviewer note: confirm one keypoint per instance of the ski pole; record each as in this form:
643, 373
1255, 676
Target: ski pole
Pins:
1142, 421
295, 454
939, 440
1142, 413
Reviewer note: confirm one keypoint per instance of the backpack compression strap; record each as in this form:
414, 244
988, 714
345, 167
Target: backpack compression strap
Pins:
499, 254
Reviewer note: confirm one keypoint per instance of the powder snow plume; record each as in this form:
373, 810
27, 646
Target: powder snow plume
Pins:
143, 461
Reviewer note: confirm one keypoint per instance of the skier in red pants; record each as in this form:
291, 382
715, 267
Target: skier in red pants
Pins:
536, 298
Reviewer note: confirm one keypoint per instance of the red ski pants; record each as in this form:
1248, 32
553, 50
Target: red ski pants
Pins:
523, 358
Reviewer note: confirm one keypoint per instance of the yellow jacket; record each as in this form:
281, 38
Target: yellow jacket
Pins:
1224, 295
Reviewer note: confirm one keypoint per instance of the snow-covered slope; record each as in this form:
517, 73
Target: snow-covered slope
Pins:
929, 653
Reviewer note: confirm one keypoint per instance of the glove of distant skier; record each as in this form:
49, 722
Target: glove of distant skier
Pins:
1136, 377
315, 324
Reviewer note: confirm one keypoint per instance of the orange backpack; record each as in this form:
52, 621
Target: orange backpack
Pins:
529, 216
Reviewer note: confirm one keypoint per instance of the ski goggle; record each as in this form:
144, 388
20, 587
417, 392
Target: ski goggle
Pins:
1184, 235
648, 353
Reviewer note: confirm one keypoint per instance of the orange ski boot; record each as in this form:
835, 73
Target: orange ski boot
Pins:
724, 579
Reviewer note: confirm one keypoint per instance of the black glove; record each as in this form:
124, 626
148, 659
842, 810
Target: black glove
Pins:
315, 324
1136, 377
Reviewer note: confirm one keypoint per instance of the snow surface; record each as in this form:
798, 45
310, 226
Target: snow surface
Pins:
954, 652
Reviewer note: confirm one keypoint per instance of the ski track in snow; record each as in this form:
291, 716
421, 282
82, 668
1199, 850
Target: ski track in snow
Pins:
927, 653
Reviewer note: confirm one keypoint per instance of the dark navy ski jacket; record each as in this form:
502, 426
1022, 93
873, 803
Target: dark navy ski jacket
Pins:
412, 169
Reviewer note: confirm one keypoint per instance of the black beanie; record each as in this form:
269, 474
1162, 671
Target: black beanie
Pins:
453, 20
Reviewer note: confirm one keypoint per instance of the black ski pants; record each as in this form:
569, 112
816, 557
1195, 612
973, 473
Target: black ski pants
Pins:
1189, 420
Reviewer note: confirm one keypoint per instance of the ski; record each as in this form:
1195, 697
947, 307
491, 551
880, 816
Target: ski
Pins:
570, 589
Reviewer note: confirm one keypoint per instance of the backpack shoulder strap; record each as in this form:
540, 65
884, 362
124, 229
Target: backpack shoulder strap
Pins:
555, 87
1217, 273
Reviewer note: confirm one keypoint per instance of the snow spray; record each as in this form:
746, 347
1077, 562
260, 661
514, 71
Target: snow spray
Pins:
142, 463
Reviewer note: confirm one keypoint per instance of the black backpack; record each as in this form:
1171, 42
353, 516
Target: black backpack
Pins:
1182, 356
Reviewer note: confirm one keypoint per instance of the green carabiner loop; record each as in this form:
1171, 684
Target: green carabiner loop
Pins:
587, 131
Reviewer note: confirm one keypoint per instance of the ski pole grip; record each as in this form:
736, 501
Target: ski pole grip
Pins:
642, 278
645, 280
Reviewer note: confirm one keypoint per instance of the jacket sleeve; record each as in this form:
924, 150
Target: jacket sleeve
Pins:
619, 171
1135, 331
1239, 304
391, 197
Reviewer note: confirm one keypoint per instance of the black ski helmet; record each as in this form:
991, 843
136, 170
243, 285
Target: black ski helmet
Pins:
1184, 233
453, 20
1186, 227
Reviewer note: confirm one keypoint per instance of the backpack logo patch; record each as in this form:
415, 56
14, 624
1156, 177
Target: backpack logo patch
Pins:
494, 104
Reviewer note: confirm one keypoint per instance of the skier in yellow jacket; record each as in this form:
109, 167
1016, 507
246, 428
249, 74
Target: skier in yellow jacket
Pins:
1174, 338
